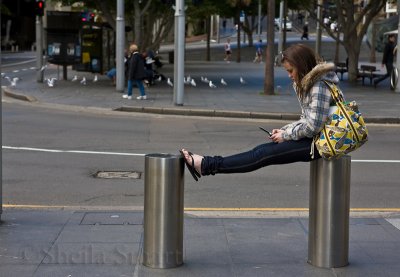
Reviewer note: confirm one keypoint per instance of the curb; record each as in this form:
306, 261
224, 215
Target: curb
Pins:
10, 93
206, 112
209, 113
237, 114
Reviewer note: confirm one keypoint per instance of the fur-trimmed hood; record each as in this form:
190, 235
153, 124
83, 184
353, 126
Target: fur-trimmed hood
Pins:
322, 71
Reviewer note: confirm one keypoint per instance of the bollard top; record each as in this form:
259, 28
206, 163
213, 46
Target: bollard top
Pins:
163, 156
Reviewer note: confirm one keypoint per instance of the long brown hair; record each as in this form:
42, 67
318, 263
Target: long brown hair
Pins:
301, 57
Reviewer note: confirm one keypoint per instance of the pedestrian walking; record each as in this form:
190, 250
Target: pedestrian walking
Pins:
387, 59
292, 142
259, 52
136, 73
228, 51
305, 31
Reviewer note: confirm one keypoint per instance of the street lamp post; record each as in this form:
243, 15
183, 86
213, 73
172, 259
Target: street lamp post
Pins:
281, 26
120, 45
397, 89
319, 31
39, 49
179, 58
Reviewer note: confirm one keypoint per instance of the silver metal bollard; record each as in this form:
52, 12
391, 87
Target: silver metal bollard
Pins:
328, 234
163, 211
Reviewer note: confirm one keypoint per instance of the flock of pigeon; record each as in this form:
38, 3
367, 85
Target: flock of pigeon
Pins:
190, 81
187, 80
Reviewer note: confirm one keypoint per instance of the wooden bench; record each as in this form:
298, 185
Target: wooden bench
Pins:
367, 71
341, 68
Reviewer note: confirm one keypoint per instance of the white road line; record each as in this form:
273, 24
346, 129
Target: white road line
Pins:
138, 154
375, 161
72, 151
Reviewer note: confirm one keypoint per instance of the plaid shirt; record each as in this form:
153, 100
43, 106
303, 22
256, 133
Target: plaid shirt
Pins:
314, 111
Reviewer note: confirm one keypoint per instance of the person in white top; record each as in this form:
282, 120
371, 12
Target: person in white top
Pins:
228, 51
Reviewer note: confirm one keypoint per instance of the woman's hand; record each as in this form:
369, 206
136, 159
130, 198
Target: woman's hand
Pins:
277, 135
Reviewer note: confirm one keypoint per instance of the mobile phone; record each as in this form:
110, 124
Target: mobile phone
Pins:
268, 132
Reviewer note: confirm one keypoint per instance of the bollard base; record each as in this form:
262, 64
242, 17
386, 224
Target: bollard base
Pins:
159, 261
323, 266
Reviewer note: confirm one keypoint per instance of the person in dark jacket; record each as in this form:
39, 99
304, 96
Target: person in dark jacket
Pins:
387, 59
305, 31
136, 73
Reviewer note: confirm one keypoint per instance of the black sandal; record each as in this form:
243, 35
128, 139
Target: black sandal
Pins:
196, 175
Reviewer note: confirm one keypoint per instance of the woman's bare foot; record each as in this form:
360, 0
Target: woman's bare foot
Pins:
193, 159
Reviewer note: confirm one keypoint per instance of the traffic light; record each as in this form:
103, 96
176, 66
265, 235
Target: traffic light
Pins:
87, 16
39, 8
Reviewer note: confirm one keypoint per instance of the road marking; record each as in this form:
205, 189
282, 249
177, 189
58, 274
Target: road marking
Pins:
141, 155
72, 151
394, 221
190, 209
375, 161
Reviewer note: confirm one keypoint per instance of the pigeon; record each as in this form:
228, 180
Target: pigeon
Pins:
3, 75
43, 67
223, 82
204, 79
51, 82
13, 81
193, 82
211, 85
75, 78
83, 81
95, 79
169, 82
242, 81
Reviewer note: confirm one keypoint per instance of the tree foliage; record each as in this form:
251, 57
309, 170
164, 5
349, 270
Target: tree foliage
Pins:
353, 21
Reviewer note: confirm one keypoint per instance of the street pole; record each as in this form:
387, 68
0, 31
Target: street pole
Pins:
39, 49
218, 28
1, 135
259, 20
179, 58
281, 26
397, 89
120, 47
318, 38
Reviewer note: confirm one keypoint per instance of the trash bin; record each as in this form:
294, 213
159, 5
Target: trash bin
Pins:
328, 232
171, 57
163, 211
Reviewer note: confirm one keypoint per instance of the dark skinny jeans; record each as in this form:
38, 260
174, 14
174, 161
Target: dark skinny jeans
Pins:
262, 155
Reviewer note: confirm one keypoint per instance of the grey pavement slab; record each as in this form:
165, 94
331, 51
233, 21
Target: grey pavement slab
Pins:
109, 243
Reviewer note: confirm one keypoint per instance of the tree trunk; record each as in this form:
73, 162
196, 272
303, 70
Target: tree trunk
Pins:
208, 31
137, 26
353, 53
238, 36
270, 53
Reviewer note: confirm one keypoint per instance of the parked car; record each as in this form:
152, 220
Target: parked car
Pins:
277, 23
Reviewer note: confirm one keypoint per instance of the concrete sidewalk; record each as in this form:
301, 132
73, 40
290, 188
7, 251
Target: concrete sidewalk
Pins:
380, 105
109, 243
